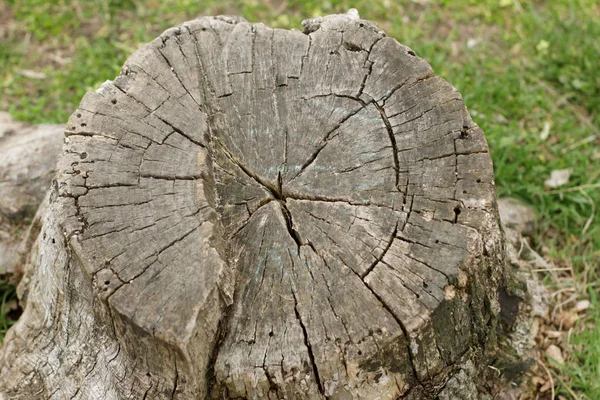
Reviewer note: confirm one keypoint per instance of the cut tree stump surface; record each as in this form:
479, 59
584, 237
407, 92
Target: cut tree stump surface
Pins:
248, 212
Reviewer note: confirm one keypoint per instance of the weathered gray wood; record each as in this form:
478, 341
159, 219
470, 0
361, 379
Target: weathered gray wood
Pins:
256, 213
27, 160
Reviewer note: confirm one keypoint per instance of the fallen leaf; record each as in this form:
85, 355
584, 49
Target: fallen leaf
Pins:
554, 353
59, 59
567, 319
582, 305
558, 177
28, 73
546, 131
500, 119
554, 334
472, 43
545, 387
536, 380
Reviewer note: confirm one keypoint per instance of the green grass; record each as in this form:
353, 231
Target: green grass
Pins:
8, 295
584, 375
533, 64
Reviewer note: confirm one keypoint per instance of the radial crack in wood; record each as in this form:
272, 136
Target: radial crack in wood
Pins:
248, 212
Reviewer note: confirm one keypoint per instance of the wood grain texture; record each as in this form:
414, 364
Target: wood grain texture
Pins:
27, 161
248, 212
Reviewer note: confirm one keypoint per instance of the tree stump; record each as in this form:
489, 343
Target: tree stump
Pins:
27, 160
256, 213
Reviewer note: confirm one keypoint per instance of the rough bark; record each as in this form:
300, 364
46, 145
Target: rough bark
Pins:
27, 161
249, 212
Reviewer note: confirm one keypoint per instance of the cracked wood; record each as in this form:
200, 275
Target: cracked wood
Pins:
248, 212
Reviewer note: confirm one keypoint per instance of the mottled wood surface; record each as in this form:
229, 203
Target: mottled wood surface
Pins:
248, 212
27, 161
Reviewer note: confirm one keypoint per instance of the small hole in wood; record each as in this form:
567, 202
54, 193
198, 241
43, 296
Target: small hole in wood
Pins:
464, 192
83, 124
456, 213
107, 282
114, 101
271, 334
351, 47
411, 53
203, 29
437, 241
53, 241
78, 115
478, 180
83, 155
361, 25
359, 352
425, 285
